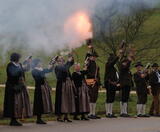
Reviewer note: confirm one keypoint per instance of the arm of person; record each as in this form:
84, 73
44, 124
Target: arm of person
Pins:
70, 62
152, 80
27, 66
113, 62
47, 70
84, 72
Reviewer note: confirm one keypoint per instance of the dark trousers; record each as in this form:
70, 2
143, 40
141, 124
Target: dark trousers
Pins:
111, 93
142, 98
125, 93
93, 93
155, 103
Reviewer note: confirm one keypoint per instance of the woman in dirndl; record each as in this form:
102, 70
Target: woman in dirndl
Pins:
82, 99
16, 99
42, 94
65, 90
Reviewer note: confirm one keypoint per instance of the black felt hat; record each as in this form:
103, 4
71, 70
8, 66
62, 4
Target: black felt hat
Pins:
155, 65
138, 64
89, 41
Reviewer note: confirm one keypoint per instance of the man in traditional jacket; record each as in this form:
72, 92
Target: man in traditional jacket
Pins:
93, 74
141, 81
111, 81
154, 80
126, 83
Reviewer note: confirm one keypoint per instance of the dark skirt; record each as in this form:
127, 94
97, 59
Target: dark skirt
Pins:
22, 104
82, 101
65, 97
141, 95
42, 100
58, 98
17, 105
155, 90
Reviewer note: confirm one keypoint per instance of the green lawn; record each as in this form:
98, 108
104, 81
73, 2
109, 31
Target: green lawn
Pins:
100, 106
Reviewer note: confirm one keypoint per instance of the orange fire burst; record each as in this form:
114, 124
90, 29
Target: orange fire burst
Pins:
78, 26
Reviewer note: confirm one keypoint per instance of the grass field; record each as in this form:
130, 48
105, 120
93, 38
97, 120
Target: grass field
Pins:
100, 106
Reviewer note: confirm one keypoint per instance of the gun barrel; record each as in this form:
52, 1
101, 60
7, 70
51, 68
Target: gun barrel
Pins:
148, 66
53, 60
25, 61
123, 44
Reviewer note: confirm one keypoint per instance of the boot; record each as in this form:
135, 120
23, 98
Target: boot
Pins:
14, 122
76, 117
40, 121
83, 117
66, 118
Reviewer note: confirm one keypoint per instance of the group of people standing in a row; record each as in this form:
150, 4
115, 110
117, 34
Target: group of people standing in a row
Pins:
146, 81
73, 95
77, 93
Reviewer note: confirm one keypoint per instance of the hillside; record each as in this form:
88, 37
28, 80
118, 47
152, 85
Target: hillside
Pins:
151, 25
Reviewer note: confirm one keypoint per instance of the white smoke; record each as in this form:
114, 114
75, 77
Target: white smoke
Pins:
38, 24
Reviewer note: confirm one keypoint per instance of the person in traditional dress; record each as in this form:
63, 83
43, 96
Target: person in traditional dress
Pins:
111, 81
93, 82
126, 82
65, 89
42, 94
154, 80
141, 81
82, 99
16, 99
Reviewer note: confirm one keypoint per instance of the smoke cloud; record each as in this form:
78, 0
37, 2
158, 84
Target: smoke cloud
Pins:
40, 24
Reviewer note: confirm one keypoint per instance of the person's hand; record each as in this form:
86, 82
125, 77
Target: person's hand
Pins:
143, 75
70, 59
124, 63
30, 60
120, 53
85, 68
130, 58
118, 85
50, 66
90, 46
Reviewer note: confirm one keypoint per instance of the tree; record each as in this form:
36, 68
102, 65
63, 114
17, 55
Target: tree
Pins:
111, 25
